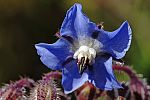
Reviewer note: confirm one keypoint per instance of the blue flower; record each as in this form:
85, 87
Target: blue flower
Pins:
84, 51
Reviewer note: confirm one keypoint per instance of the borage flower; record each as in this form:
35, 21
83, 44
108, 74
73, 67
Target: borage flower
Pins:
84, 51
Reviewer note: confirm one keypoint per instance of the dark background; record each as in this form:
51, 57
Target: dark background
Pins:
23, 23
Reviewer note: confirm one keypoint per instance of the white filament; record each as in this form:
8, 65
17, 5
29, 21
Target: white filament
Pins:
87, 52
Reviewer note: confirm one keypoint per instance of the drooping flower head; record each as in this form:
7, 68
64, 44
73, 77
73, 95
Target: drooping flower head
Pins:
84, 51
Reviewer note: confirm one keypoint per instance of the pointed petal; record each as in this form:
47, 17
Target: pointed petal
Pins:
117, 42
71, 79
53, 55
102, 75
76, 23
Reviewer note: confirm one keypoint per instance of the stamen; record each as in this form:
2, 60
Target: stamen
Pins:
81, 65
85, 56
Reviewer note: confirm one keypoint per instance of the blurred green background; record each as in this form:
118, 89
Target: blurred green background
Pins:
25, 23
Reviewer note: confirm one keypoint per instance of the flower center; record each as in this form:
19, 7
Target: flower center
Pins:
85, 56
86, 52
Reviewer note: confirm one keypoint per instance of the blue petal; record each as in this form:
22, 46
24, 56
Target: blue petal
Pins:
117, 42
76, 23
71, 79
101, 74
53, 55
